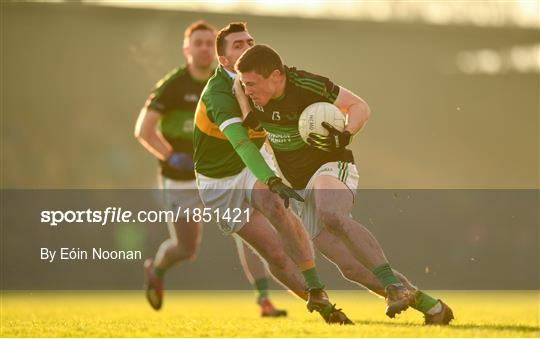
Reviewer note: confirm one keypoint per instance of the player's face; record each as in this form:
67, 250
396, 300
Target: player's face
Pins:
236, 44
200, 51
259, 88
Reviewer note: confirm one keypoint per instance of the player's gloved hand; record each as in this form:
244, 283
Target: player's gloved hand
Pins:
335, 140
285, 192
181, 161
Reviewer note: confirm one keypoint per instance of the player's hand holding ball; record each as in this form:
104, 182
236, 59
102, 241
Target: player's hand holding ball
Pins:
322, 125
335, 140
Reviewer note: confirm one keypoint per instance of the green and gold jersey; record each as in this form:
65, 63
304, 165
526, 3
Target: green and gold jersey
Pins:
217, 109
297, 160
175, 97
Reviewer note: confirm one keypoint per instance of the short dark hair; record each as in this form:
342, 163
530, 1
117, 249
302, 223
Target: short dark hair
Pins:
260, 58
199, 25
233, 27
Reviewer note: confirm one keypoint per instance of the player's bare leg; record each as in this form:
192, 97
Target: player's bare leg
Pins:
183, 244
257, 274
333, 202
297, 246
288, 226
260, 235
435, 311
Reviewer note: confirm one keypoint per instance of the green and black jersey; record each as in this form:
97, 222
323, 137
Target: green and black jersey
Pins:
175, 97
218, 125
279, 118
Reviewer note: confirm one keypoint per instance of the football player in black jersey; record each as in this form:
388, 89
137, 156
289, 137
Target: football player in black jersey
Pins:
324, 169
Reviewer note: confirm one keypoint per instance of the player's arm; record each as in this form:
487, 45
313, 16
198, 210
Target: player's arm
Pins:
251, 156
241, 97
248, 117
246, 149
357, 110
149, 136
358, 113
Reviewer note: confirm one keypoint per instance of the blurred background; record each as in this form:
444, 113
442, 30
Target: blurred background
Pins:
454, 89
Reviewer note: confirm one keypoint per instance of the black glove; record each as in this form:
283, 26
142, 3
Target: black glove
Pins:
252, 122
335, 140
285, 192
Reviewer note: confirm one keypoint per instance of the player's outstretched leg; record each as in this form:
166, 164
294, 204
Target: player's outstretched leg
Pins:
297, 246
181, 246
333, 205
260, 235
257, 274
435, 311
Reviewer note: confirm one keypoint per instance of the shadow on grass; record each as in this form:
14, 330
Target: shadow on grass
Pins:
495, 327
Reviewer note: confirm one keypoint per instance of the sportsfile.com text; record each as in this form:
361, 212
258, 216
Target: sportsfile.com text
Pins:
120, 215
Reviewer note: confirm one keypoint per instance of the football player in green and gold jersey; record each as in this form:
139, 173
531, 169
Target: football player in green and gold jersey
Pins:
223, 149
165, 128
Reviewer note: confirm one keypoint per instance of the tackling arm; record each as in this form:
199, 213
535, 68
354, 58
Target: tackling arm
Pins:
251, 156
248, 151
241, 97
243, 101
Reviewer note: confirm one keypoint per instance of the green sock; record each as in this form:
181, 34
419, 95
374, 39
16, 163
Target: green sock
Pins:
385, 275
326, 311
423, 302
159, 272
261, 285
311, 276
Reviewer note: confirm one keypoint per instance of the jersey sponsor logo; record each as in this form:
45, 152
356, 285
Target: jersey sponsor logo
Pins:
190, 97
276, 116
280, 138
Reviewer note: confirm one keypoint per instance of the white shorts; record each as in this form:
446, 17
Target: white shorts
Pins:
231, 194
346, 172
179, 193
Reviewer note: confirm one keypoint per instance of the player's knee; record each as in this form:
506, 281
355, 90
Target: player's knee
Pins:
185, 253
191, 254
333, 220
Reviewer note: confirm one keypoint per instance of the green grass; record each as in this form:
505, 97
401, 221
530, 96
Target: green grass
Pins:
234, 314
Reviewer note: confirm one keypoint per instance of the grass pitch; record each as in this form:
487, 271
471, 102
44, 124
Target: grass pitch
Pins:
234, 314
